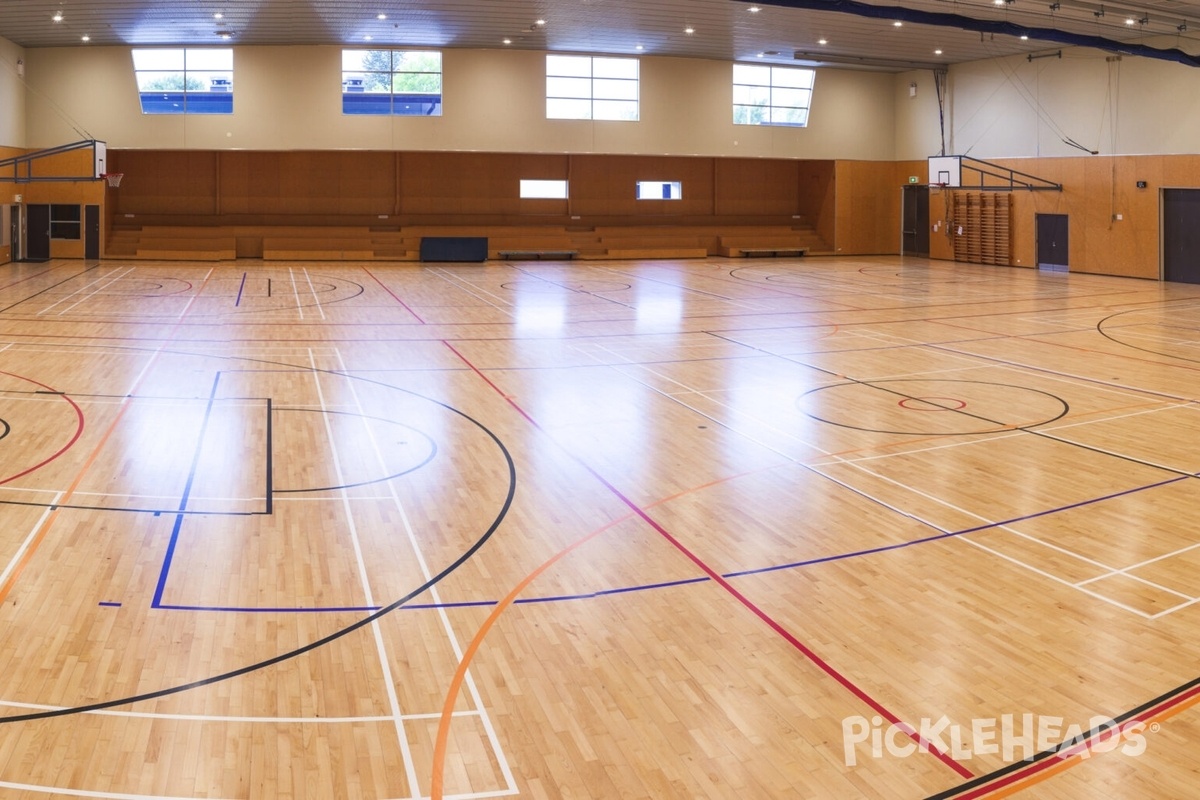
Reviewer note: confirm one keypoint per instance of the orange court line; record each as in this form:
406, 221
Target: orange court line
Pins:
443, 733
50, 519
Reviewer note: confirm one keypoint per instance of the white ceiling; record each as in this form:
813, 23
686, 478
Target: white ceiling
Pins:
723, 29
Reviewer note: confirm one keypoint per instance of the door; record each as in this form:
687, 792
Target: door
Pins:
91, 232
915, 226
14, 232
1181, 235
37, 233
1052, 242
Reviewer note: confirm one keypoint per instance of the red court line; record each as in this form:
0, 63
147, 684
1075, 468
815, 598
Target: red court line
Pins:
64, 448
716, 577
393, 294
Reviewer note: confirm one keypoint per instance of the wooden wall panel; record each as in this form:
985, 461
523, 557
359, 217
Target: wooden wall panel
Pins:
869, 204
818, 196
477, 183
607, 185
750, 186
164, 182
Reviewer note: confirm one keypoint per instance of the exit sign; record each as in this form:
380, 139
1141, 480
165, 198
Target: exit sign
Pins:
912, 178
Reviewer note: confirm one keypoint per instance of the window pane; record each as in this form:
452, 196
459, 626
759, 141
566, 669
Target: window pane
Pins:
568, 87
615, 109
745, 73
171, 60
422, 82
548, 190
209, 60
615, 68
749, 115
614, 90
418, 61
557, 108
795, 78
159, 81
751, 95
577, 66
795, 98
659, 190
789, 116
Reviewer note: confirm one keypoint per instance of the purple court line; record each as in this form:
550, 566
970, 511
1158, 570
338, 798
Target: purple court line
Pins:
940, 536
394, 296
241, 289
109, 604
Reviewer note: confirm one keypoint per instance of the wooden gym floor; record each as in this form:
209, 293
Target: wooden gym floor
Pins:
768, 528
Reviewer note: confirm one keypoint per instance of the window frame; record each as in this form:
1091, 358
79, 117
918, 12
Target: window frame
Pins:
775, 112
214, 97
365, 101
589, 91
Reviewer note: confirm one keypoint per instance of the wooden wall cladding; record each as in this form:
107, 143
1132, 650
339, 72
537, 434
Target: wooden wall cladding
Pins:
751, 186
477, 183
455, 188
607, 185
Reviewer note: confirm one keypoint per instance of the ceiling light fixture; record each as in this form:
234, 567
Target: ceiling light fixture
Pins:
85, 38
58, 16
689, 30
508, 41
540, 22
897, 24
639, 47
381, 17
218, 15
822, 41
755, 9
367, 38
1024, 38
937, 52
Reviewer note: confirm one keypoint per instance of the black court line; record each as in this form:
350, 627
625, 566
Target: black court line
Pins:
48, 288
462, 558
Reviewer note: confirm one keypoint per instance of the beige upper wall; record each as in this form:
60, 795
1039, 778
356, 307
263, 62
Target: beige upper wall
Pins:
289, 98
1014, 107
12, 96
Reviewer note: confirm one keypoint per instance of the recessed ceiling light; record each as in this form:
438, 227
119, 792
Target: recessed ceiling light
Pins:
822, 41
218, 15
508, 41
898, 24
937, 52
85, 38
381, 16
755, 9
367, 38
760, 55
1024, 38
58, 17
1130, 21
689, 30
540, 22
639, 47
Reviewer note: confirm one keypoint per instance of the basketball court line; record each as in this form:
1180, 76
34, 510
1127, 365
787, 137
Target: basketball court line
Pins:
452, 279
227, 718
988, 524
385, 664
394, 295
813, 658
111, 278
435, 594
313, 290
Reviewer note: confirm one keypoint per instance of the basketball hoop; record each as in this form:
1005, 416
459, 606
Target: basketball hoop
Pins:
113, 178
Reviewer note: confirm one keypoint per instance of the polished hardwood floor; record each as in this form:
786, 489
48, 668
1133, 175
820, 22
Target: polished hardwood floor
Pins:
756, 528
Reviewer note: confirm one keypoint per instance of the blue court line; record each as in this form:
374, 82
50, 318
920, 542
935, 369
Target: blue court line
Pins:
183, 501
940, 536
241, 288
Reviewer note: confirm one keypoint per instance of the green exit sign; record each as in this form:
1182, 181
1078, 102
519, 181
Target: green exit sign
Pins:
912, 178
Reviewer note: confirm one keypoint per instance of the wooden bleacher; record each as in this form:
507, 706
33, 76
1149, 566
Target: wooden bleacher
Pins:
363, 243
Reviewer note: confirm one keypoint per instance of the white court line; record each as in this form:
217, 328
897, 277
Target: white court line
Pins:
469, 680
236, 719
115, 275
93, 293
384, 664
37, 526
25, 787
308, 278
454, 281
936, 500
296, 293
